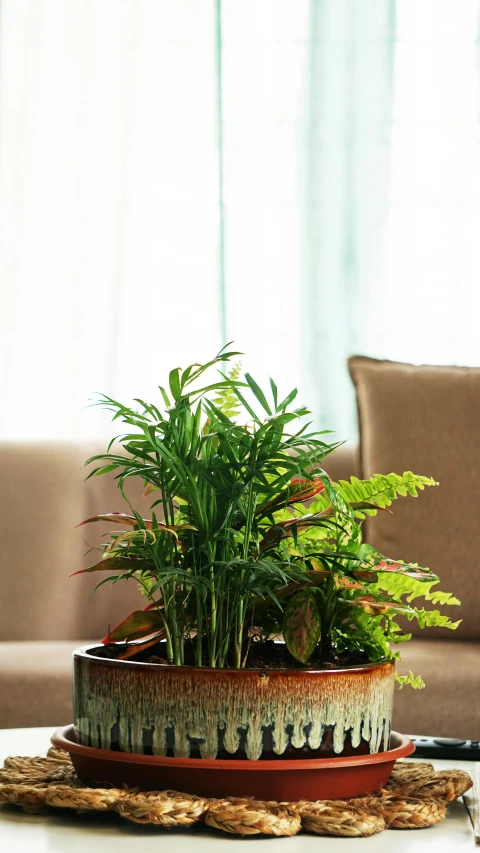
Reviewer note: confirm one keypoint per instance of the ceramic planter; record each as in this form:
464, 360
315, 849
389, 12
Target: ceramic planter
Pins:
214, 714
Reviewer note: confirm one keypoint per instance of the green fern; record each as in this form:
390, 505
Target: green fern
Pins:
380, 490
433, 619
397, 585
439, 597
226, 399
415, 681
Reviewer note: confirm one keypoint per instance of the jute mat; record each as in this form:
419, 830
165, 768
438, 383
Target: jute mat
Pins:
414, 796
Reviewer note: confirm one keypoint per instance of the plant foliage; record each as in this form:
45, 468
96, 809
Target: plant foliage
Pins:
229, 551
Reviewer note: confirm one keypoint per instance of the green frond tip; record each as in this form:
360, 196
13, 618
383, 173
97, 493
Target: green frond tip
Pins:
433, 619
226, 400
415, 681
438, 597
380, 490
397, 585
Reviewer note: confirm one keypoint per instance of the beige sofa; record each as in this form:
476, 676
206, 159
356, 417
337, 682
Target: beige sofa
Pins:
44, 614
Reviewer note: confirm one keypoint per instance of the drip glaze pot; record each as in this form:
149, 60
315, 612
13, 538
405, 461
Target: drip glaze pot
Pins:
228, 714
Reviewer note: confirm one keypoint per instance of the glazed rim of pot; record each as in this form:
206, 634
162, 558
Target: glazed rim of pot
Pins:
84, 651
402, 746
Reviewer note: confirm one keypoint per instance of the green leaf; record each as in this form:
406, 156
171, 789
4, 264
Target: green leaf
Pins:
302, 624
166, 398
258, 393
246, 405
288, 399
274, 393
174, 382
105, 470
238, 543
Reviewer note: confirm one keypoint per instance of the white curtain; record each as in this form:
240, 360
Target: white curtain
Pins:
108, 198
300, 176
429, 302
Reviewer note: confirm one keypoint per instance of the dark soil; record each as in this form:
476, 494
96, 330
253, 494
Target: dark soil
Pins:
262, 655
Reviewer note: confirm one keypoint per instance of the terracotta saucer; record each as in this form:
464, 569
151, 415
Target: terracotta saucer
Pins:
306, 779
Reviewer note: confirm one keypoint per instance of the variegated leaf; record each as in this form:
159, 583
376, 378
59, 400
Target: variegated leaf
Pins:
378, 607
302, 624
375, 561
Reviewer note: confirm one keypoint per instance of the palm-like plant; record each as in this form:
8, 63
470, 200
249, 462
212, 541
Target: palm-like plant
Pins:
229, 550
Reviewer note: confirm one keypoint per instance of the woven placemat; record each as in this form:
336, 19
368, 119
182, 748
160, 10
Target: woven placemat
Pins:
414, 796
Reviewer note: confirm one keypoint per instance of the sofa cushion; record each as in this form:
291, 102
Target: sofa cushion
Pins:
427, 420
448, 705
36, 683
43, 497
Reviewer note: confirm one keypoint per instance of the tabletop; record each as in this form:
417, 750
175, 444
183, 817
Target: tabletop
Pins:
106, 833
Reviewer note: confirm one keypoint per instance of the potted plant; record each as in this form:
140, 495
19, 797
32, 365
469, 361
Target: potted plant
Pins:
268, 626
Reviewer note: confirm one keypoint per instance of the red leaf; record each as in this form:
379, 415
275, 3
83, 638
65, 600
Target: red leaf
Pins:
378, 607
285, 528
302, 490
105, 565
373, 560
150, 488
362, 575
132, 650
347, 583
405, 569
152, 606
297, 491
129, 520
138, 624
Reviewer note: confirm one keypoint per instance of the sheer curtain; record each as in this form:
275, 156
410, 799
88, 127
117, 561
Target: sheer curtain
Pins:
109, 204
430, 300
300, 176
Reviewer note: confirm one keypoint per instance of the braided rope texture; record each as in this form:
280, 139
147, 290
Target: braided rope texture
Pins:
414, 796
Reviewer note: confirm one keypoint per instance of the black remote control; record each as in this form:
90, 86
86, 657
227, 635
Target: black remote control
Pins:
445, 747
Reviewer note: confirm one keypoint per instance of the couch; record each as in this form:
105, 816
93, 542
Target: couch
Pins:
45, 614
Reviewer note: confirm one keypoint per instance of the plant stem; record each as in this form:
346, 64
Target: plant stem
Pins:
199, 606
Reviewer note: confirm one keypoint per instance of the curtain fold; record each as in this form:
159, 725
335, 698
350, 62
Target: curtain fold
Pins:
306, 95
299, 176
350, 85
108, 205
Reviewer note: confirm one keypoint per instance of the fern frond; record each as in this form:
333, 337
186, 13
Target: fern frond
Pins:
439, 597
226, 399
433, 619
415, 681
381, 489
398, 585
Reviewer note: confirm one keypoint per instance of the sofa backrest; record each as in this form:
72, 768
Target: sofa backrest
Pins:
43, 496
425, 419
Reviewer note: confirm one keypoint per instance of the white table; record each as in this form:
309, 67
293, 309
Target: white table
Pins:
107, 833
